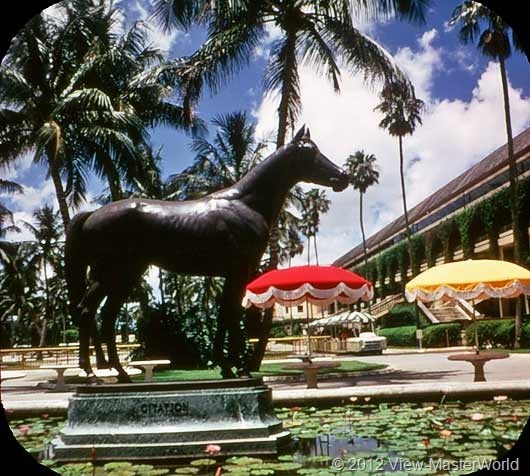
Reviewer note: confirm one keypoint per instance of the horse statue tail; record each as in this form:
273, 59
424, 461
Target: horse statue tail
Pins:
75, 262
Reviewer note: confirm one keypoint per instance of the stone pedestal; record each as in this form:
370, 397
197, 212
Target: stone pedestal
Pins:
164, 421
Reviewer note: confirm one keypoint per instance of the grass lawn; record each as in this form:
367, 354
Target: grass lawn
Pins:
267, 370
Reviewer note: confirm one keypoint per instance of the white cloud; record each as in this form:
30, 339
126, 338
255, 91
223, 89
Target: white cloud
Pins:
455, 134
17, 169
34, 198
421, 66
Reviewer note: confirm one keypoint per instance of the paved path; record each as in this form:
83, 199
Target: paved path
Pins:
416, 373
429, 368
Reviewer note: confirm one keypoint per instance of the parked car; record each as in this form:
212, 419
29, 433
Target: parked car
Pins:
366, 343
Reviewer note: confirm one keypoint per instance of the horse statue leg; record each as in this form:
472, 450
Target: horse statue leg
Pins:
87, 315
109, 313
101, 360
218, 349
231, 313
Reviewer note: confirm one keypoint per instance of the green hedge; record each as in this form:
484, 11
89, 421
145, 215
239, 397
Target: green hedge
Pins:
404, 336
436, 335
497, 332
403, 315
433, 335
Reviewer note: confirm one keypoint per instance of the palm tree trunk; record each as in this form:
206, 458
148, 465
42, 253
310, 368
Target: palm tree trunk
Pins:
404, 199
59, 192
316, 249
512, 172
403, 192
46, 306
283, 111
362, 230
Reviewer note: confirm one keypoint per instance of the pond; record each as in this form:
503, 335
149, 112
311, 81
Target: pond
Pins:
358, 439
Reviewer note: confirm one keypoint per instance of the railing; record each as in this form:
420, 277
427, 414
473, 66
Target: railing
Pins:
280, 347
33, 357
380, 308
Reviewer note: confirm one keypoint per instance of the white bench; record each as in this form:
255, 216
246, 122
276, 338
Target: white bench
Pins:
110, 375
10, 374
60, 369
148, 366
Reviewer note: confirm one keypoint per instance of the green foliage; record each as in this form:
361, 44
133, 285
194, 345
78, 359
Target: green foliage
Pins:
399, 315
72, 335
496, 332
464, 221
161, 335
403, 336
438, 335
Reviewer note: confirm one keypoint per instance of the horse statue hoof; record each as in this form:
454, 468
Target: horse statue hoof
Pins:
227, 374
243, 373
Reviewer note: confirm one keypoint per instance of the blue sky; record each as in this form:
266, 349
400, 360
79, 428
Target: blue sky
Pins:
462, 123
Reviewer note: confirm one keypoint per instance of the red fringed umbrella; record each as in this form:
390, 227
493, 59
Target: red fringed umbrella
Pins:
320, 285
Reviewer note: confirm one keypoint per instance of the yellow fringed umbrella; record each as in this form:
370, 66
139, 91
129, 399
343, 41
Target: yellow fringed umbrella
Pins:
469, 280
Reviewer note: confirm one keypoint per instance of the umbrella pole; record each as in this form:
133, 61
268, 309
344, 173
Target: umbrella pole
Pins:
308, 328
477, 351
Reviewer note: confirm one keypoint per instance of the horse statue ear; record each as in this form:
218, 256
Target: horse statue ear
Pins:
307, 135
301, 133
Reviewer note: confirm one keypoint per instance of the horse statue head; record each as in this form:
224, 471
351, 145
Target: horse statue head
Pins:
316, 167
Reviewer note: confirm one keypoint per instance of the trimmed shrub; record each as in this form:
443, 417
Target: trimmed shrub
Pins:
403, 315
404, 336
496, 332
72, 335
439, 334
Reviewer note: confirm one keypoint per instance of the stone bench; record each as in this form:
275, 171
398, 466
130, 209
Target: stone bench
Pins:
10, 374
478, 360
110, 375
60, 369
148, 366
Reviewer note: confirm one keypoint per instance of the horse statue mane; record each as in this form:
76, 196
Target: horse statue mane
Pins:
222, 234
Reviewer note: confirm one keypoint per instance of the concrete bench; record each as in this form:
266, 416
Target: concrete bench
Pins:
60, 369
148, 366
109, 375
10, 374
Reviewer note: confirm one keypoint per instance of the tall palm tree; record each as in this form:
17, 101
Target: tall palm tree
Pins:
402, 113
492, 34
363, 173
313, 33
315, 202
82, 98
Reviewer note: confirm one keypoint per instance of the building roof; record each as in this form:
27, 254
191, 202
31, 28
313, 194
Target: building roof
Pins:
484, 169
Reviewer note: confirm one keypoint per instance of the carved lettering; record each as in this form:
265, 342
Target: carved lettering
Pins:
164, 409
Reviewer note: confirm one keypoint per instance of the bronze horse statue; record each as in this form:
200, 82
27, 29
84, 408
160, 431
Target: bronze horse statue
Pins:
223, 234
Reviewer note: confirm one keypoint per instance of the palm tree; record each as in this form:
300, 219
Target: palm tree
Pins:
402, 113
312, 33
314, 203
222, 162
19, 282
82, 99
8, 186
363, 173
47, 231
492, 33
